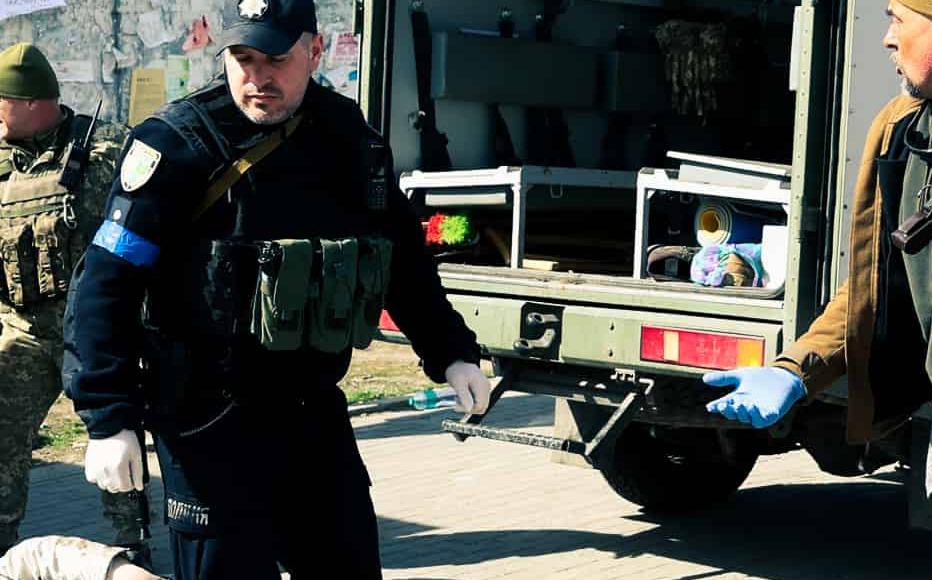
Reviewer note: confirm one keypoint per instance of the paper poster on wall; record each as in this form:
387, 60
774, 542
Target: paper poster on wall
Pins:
341, 70
199, 35
10, 8
152, 30
146, 94
344, 80
344, 50
177, 74
199, 6
74, 71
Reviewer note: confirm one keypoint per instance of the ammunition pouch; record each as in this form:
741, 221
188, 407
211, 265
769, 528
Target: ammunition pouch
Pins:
283, 291
322, 294
38, 243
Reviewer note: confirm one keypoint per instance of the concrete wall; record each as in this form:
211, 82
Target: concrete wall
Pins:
94, 45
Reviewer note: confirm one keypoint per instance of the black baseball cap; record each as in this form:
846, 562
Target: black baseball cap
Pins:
271, 26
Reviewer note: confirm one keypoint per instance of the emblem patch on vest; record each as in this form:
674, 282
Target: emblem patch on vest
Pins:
138, 165
253, 9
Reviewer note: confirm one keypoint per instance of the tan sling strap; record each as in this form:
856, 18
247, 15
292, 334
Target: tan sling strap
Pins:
238, 168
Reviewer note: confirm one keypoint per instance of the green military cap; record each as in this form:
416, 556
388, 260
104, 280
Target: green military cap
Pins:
25, 73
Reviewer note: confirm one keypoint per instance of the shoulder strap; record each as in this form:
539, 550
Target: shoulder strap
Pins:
238, 168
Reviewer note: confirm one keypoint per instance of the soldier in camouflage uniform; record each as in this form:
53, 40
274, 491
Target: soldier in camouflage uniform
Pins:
44, 229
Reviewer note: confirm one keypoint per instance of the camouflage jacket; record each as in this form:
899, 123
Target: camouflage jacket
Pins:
58, 558
44, 228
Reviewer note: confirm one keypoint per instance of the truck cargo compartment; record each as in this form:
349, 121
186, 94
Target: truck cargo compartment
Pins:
678, 135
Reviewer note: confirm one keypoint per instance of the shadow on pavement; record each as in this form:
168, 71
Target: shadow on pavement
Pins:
819, 531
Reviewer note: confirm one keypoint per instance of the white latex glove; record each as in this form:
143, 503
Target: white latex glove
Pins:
471, 385
114, 463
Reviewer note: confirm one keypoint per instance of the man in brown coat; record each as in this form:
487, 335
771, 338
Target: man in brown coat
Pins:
877, 326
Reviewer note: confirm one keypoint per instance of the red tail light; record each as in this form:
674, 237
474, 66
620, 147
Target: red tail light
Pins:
705, 350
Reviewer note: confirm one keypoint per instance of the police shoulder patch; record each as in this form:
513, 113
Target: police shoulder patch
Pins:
138, 165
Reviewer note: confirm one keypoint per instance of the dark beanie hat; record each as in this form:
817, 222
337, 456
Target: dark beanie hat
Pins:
25, 73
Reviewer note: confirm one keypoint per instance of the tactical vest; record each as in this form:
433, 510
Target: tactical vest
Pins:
40, 237
282, 294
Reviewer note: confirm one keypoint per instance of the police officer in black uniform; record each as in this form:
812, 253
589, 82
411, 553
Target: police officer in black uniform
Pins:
252, 226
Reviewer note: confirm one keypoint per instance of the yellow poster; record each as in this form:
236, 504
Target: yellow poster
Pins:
146, 94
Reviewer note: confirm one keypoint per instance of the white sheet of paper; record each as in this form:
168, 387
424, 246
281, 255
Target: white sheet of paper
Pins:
199, 7
152, 29
10, 8
344, 50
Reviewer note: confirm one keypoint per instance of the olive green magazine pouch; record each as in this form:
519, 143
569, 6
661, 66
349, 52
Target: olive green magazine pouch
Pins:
34, 238
19, 264
330, 316
52, 237
279, 316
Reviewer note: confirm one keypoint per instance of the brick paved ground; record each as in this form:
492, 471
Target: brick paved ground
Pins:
483, 510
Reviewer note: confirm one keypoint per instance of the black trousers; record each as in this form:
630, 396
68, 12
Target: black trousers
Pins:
269, 485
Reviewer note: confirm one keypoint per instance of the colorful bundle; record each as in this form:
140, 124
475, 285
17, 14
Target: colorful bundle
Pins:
728, 265
449, 230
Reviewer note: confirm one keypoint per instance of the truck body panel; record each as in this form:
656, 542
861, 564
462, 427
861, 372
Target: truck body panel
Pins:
556, 279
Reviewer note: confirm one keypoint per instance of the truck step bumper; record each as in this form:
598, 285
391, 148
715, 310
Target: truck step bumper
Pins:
511, 436
626, 396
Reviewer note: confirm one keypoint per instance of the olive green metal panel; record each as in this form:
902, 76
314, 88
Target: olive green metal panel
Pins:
609, 291
610, 337
373, 74
810, 174
496, 322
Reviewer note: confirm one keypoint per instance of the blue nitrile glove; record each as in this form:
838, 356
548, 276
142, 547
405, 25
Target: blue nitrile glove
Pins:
763, 397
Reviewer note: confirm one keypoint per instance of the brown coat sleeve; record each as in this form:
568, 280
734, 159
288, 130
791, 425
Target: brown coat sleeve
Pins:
843, 332
818, 357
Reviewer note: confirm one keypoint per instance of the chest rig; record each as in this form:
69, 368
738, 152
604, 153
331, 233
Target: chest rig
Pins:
41, 231
248, 302
282, 294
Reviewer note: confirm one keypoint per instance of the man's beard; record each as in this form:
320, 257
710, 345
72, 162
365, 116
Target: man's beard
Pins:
911, 89
265, 119
907, 85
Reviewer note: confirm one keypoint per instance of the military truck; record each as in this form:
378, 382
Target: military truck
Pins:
567, 157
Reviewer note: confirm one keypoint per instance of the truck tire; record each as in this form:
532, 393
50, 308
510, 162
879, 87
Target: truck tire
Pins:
676, 474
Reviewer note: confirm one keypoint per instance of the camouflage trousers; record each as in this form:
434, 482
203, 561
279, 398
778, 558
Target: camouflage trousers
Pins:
30, 382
